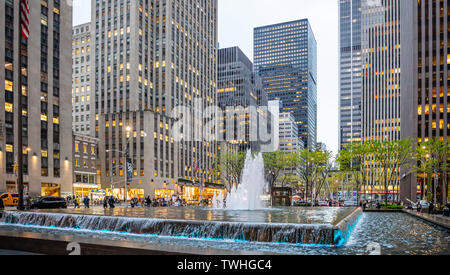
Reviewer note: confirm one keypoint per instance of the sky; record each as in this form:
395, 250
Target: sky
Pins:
238, 18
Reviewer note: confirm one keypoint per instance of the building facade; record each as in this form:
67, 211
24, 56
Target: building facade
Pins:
237, 93
350, 67
81, 79
46, 75
86, 178
381, 83
425, 84
286, 61
154, 56
289, 140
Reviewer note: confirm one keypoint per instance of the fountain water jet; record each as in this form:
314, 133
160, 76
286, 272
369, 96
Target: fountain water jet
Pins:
247, 195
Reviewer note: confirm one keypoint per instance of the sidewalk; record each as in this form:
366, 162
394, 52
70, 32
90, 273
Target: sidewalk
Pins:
435, 219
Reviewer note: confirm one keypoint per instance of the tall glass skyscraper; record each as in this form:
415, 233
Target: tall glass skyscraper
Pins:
350, 81
286, 60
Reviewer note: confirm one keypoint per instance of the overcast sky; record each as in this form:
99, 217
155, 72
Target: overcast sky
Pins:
237, 18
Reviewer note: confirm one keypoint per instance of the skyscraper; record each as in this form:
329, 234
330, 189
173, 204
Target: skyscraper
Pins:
149, 58
81, 79
286, 60
350, 66
381, 83
46, 76
425, 83
237, 90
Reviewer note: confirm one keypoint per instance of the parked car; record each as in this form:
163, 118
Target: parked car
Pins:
10, 199
49, 203
323, 203
350, 203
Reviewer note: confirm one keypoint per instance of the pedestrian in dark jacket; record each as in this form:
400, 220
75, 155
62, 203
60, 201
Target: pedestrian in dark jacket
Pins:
111, 202
105, 202
86, 202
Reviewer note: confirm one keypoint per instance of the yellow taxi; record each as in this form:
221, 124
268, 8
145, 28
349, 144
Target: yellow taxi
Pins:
10, 199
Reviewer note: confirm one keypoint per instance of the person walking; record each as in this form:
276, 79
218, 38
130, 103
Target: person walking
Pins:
76, 202
111, 202
27, 201
86, 202
105, 203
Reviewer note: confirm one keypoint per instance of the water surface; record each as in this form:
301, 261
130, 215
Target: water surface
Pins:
319, 215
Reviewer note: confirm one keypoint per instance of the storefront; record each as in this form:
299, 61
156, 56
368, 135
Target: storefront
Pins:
164, 194
50, 190
119, 193
91, 190
11, 187
191, 194
214, 190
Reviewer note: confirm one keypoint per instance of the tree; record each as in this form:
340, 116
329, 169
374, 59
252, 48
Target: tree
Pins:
230, 167
276, 164
389, 157
432, 159
353, 162
314, 168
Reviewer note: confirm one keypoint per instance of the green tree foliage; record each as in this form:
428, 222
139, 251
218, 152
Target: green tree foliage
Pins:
230, 167
432, 160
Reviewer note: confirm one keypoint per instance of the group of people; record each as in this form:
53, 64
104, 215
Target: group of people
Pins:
109, 201
162, 202
76, 201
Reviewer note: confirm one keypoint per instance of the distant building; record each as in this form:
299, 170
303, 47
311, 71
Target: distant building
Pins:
286, 61
86, 170
289, 140
81, 79
237, 90
321, 147
350, 72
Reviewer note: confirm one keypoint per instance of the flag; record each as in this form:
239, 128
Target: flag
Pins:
25, 18
129, 169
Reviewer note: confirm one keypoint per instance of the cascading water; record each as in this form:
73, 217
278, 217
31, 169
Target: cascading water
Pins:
247, 195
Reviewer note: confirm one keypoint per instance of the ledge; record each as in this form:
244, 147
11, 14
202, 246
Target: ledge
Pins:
436, 220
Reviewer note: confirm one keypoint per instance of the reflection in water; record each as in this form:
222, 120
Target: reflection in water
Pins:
276, 215
397, 234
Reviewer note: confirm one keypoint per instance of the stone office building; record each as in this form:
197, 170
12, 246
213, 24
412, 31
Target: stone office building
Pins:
81, 79
150, 57
46, 92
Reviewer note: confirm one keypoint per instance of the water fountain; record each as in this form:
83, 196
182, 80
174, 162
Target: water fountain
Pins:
247, 195
244, 218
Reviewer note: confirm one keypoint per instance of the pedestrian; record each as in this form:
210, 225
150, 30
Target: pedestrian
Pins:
111, 202
27, 201
86, 202
76, 202
431, 208
105, 203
